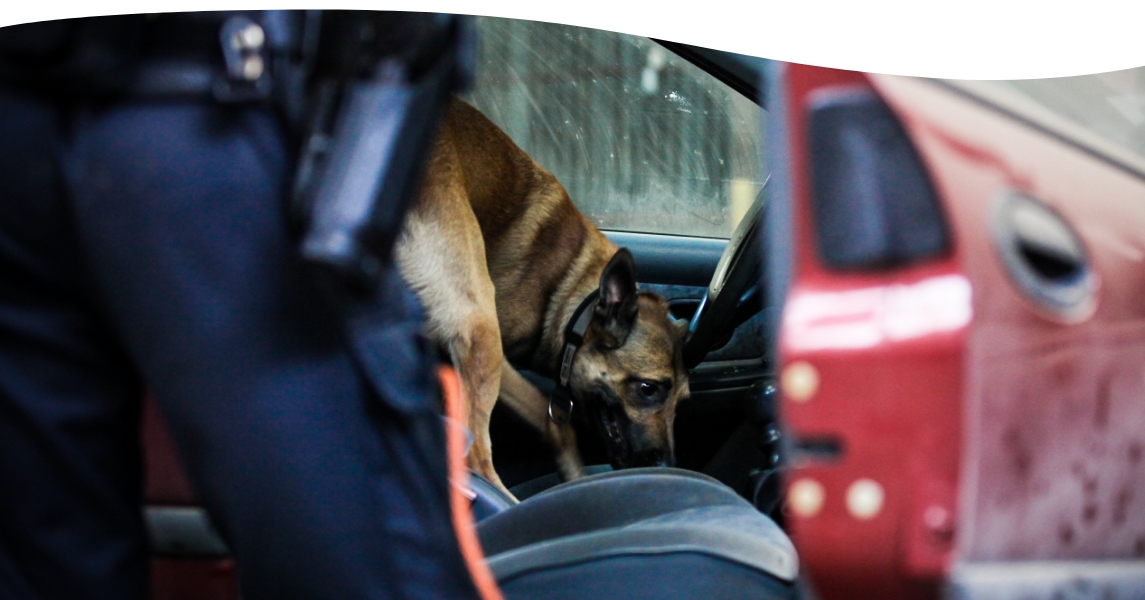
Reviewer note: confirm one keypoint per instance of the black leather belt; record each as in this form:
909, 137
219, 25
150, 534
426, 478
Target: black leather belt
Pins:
182, 54
226, 56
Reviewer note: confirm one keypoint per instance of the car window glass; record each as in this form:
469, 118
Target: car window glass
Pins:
1111, 105
643, 140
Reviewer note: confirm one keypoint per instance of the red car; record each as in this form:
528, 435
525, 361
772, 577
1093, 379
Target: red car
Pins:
949, 274
962, 338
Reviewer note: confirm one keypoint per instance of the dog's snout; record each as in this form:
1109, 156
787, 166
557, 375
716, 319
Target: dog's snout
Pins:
655, 458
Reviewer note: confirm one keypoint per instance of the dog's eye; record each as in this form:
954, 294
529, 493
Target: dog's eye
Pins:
650, 392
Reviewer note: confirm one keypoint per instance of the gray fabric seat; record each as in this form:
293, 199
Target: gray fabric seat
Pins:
488, 499
640, 533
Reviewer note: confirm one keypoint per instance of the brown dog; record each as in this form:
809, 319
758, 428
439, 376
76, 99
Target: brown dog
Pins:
501, 259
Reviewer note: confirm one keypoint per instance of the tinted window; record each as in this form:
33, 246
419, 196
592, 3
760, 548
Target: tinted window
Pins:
873, 203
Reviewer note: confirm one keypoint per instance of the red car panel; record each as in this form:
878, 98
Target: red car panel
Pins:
972, 424
884, 390
1055, 426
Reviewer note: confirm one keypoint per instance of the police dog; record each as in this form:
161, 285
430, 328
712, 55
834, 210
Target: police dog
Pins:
501, 259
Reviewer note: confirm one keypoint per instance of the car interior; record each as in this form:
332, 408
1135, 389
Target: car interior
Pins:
663, 156
659, 145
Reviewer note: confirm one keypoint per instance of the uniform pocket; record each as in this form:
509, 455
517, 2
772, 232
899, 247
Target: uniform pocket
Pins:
389, 345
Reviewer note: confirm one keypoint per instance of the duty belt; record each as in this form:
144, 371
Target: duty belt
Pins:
360, 90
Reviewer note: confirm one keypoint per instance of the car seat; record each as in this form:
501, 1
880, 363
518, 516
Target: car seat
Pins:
639, 533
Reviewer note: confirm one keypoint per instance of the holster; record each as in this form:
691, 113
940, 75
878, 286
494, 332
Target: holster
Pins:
378, 95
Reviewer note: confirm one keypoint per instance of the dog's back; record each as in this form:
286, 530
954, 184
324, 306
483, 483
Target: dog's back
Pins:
537, 244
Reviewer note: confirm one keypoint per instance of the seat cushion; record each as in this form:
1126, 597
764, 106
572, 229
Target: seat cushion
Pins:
664, 576
488, 499
533, 487
635, 530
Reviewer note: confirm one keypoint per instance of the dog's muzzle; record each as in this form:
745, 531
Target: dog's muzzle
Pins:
617, 431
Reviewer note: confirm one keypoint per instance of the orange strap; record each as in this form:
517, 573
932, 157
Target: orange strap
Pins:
463, 523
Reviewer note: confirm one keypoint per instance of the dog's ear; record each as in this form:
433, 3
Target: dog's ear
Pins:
616, 310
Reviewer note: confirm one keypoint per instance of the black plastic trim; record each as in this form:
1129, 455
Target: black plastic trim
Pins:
671, 259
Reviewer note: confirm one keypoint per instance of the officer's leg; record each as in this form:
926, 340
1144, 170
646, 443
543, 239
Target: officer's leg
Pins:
311, 456
70, 470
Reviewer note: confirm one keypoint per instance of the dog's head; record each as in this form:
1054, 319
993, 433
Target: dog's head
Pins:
629, 373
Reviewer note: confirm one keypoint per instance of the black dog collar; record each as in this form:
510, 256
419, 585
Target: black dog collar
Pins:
574, 337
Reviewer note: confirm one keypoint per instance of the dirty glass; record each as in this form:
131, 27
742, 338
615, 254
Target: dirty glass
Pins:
643, 140
1111, 105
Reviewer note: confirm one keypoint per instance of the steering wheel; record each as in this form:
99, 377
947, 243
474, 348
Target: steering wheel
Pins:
735, 293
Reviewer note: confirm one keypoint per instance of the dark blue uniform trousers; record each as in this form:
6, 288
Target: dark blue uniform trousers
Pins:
144, 246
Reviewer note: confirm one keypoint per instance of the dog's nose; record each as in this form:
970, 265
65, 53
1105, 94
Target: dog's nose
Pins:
653, 458
661, 459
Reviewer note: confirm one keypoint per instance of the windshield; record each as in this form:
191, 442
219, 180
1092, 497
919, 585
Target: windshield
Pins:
1111, 105
643, 140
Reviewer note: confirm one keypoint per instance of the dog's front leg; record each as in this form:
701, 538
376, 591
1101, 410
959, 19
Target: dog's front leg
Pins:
528, 402
476, 355
442, 257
